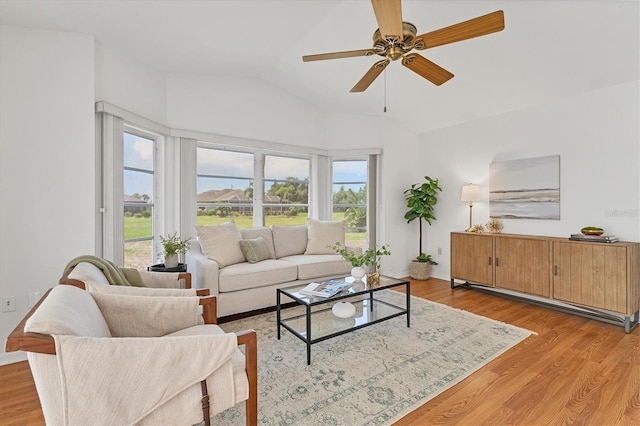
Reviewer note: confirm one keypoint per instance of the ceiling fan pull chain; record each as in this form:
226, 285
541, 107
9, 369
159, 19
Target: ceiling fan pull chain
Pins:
385, 90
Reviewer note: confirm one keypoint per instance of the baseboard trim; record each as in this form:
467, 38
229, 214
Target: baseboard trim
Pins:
12, 357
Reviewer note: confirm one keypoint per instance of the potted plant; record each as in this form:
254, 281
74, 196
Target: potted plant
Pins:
372, 260
421, 199
369, 257
173, 245
356, 260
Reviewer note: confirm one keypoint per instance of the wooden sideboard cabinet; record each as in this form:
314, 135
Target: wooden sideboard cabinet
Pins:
599, 278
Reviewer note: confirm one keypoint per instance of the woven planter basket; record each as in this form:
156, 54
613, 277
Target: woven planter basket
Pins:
420, 270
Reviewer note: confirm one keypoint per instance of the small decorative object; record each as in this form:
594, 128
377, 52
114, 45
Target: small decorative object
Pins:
357, 272
477, 228
592, 230
373, 279
343, 310
495, 226
173, 245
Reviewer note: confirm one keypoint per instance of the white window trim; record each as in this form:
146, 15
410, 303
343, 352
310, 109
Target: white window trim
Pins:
179, 176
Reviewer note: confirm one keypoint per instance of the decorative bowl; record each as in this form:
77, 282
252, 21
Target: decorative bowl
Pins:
592, 231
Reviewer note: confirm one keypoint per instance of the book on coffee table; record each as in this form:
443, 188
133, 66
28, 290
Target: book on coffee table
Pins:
325, 288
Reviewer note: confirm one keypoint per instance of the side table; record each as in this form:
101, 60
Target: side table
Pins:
181, 269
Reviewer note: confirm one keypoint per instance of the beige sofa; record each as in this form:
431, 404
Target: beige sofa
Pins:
286, 256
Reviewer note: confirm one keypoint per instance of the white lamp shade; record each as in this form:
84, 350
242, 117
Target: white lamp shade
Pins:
470, 193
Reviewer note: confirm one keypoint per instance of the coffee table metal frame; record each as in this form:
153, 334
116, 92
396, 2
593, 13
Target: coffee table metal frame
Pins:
365, 296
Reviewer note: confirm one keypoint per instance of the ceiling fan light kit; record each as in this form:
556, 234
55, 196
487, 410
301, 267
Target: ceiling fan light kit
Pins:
395, 39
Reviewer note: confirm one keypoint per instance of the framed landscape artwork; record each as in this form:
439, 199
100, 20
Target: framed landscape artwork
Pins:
525, 189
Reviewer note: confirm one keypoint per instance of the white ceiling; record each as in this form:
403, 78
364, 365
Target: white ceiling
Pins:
548, 49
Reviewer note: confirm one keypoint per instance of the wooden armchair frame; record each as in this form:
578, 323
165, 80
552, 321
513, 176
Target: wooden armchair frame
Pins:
19, 340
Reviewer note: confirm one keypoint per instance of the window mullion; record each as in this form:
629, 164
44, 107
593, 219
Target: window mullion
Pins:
258, 189
113, 157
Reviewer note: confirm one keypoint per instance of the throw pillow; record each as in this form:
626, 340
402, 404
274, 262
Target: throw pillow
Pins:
221, 243
256, 249
323, 234
289, 240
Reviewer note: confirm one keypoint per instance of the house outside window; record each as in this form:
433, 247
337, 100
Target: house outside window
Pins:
224, 187
226, 181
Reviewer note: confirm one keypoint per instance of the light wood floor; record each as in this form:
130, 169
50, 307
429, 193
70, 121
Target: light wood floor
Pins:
575, 371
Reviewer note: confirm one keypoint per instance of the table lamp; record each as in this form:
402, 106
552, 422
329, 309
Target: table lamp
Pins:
470, 193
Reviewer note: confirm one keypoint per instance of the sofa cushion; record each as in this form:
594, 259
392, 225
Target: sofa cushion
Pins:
289, 239
245, 275
256, 250
312, 266
260, 231
221, 243
322, 234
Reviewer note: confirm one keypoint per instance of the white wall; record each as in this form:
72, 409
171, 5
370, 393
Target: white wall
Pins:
399, 168
242, 107
46, 162
131, 85
597, 137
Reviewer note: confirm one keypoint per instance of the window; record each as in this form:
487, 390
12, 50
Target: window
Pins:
224, 187
286, 190
138, 179
226, 181
349, 190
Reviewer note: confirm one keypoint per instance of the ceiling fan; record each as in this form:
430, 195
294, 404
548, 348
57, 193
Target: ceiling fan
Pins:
395, 39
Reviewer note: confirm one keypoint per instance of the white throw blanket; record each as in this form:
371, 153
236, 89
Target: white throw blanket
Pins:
121, 380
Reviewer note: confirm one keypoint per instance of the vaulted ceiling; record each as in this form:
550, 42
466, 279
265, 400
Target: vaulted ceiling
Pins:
547, 50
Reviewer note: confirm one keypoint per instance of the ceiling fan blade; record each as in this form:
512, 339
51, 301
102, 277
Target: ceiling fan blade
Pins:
476, 27
389, 17
338, 55
371, 75
427, 69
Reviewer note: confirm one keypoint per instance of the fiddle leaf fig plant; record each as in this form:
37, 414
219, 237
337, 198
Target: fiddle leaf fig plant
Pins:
421, 200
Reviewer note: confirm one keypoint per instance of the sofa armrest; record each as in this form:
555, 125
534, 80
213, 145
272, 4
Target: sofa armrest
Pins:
204, 271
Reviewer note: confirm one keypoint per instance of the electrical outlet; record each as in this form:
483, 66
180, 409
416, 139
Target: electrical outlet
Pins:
9, 304
440, 250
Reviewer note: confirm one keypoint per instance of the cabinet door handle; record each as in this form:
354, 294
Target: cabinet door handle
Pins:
555, 270
489, 260
497, 262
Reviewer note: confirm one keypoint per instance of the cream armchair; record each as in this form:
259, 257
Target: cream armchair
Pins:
98, 270
110, 358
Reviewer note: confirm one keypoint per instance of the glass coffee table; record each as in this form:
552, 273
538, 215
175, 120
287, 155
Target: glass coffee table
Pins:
317, 321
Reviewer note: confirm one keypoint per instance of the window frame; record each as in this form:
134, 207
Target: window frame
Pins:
259, 180
157, 140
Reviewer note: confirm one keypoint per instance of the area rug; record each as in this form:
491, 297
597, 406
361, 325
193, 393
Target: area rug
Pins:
371, 376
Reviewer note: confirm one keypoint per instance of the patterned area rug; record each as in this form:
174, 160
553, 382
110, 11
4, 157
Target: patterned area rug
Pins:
371, 376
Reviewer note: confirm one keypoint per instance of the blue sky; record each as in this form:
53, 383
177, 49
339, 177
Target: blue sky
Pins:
138, 153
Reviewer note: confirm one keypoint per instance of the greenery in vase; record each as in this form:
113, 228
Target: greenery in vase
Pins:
369, 257
421, 200
348, 254
173, 244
